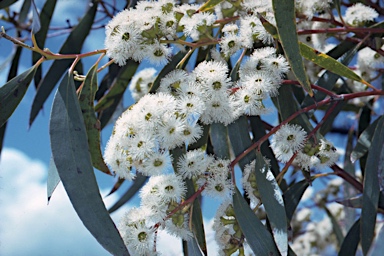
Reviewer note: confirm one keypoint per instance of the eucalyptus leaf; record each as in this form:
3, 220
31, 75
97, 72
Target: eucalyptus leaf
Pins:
286, 27
351, 240
71, 156
86, 98
273, 203
53, 179
364, 142
72, 45
374, 169
258, 237
13, 92
138, 183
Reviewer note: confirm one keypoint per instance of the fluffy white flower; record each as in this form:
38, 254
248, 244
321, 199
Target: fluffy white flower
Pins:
192, 164
358, 14
172, 82
141, 83
287, 140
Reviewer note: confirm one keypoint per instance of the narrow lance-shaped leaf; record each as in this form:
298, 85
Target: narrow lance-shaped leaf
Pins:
273, 203
13, 92
364, 142
351, 240
137, 184
286, 27
71, 156
257, 235
92, 124
110, 101
23, 13
320, 59
6, 3
219, 140
41, 35
328, 79
329, 63
292, 197
53, 179
373, 172
117, 185
72, 45
240, 140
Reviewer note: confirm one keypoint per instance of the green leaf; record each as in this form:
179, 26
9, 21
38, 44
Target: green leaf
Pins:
240, 140
328, 123
258, 131
325, 61
378, 246
92, 124
71, 156
328, 79
109, 102
6, 3
258, 237
13, 92
24, 11
292, 197
209, 5
45, 18
192, 247
53, 179
287, 105
72, 45
351, 240
373, 170
364, 142
286, 27
168, 68
138, 182
273, 203
219, 140
117, 185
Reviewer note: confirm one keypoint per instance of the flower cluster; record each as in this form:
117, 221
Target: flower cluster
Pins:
147, 135
290, 139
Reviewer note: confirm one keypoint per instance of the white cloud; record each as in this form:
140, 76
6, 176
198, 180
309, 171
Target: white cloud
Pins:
28, 226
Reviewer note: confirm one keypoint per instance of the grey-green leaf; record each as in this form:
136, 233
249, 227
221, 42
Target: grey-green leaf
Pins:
137, 184
364, 142
292, 196
53, 179
71, 156
6, 3
258, 237
286, 27
273, 203
13, 92
240, 140
45, 18
351, 240
373, 171
72, 45
219, 140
